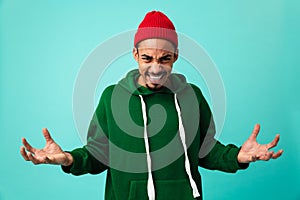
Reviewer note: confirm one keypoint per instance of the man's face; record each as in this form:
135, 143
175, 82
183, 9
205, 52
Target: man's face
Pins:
155, 58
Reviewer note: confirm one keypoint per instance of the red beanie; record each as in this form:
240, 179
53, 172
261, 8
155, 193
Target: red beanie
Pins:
156, 25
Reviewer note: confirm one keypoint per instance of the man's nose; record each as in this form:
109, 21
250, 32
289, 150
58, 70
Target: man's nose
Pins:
155, 68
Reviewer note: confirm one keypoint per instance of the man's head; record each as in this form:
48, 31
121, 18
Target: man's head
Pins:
155, 49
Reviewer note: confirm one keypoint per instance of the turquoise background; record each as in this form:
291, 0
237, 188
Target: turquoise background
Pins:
255, 45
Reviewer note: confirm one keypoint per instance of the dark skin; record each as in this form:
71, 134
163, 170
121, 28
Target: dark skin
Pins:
155, 58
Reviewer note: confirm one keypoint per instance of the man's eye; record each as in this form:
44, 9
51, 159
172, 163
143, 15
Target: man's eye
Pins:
146, 59
165, 60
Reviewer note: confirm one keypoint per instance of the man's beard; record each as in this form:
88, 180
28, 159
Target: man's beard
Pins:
156, 87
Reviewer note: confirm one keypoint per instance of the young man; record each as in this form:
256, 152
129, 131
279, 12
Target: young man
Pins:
152, 130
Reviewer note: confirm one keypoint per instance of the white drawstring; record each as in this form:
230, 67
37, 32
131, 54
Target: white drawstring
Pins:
150, 184
187, 162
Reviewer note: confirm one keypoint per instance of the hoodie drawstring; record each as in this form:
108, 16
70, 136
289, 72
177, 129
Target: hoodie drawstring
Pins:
150, 184
187, 162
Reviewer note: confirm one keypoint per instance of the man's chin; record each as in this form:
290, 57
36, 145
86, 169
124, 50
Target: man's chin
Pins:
154, 87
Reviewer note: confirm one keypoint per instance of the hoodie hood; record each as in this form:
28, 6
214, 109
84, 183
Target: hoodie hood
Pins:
129, 83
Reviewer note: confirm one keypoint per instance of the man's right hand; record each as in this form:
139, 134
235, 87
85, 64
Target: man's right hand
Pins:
50, 154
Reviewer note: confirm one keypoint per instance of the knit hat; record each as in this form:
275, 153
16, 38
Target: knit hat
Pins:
156, 25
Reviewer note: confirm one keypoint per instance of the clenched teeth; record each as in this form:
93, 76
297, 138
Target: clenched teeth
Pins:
155, 77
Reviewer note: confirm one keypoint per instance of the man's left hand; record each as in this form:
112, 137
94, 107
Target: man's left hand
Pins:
252, 151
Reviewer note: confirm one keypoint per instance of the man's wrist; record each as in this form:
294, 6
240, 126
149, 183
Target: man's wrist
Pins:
69, 159
242, 157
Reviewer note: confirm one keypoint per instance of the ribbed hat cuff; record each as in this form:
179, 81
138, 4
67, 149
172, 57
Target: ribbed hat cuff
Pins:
156, 32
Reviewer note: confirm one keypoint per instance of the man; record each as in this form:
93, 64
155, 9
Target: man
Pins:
152, 130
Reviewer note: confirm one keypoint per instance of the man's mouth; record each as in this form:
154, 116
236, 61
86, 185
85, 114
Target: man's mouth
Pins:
155, 78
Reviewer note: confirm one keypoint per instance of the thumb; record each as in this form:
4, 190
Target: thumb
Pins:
47, 135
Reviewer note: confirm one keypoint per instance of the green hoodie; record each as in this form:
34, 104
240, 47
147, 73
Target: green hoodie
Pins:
116, 141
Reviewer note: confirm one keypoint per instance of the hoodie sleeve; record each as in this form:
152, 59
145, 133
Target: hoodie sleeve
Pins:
213, 154
93, 157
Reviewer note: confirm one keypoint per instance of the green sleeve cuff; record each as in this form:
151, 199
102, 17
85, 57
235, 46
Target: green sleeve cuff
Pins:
76, 167
83, 162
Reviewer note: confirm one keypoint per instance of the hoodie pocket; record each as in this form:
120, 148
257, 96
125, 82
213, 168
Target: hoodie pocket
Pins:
164, 190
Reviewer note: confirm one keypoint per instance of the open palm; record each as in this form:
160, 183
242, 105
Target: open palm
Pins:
252, 150
50, 154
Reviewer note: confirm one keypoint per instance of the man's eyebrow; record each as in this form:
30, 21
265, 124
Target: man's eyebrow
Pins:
165, 56
146, 55
168, 55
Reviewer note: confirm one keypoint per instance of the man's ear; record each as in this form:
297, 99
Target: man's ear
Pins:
135, 54
176, 55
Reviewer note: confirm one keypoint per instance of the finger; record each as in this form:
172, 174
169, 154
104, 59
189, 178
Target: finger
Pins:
51, 160
268, 156
255, 132
278, 154
274, 142
35, 160
23, 153
265, 156
31, 158
48, 160
253, 158
55, 160
28, 146
47, 135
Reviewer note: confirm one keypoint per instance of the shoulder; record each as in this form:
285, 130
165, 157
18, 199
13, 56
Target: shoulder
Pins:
108, 91
105, 99
106, 95
197, 91
195, 88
